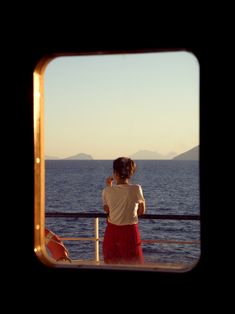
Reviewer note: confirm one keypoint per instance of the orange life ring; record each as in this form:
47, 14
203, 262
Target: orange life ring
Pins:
55, 246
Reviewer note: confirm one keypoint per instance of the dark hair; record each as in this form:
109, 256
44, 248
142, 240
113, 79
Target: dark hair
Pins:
124, 167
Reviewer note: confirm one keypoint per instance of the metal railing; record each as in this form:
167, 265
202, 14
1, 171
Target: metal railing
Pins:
96, 217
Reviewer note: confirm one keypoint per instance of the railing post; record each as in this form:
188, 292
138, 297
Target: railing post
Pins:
97, 258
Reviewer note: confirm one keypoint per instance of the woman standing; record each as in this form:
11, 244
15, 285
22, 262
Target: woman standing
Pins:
123, 202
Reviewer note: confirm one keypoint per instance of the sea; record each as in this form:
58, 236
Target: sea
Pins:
169, 187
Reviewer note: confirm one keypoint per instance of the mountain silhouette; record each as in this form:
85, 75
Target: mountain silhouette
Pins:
51, 157
80, 156
191, 154
153, 155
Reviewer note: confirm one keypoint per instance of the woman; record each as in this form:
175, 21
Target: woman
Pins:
123, 202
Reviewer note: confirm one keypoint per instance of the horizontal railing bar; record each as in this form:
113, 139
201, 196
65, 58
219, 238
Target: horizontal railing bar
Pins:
103, 215
78, 239
170, 241
144, 241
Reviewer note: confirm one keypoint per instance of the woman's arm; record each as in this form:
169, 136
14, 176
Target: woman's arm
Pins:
141, 208
109, 182
106, 209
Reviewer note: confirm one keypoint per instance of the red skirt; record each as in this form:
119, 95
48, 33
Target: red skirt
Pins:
122, 244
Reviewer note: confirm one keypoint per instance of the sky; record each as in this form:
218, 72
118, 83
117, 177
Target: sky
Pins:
115, 105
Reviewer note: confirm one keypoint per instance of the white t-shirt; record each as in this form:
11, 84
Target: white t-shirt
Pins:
122, 200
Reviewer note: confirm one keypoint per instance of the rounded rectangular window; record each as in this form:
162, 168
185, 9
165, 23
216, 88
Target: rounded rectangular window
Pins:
88, 111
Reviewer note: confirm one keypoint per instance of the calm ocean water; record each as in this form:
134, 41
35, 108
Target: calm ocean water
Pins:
169, 187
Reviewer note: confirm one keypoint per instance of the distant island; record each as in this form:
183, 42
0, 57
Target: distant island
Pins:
51, 157
80, 156
151, 155
191, 154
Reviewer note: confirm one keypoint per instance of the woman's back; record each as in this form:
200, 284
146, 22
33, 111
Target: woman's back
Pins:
123, 200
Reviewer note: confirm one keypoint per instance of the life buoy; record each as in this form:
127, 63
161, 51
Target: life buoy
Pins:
55, 246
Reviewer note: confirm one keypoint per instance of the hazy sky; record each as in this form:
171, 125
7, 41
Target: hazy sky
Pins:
114, 105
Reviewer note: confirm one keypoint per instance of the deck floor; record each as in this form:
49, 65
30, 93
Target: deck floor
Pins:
166, 267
